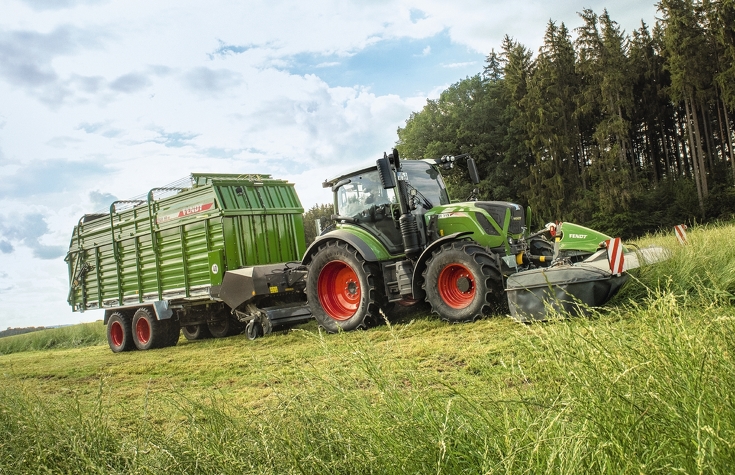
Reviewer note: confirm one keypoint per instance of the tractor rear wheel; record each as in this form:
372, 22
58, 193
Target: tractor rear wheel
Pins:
148, 331
342, 288
120, 333
463, 282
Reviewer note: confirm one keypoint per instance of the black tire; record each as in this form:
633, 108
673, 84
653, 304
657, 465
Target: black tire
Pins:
463, 282
196, 332
223, 327
149, 332
253, 330
173, 332
120, 333
343, 290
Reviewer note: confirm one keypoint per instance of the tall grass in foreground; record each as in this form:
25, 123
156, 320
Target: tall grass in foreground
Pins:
704, 268
73, 336
645, 391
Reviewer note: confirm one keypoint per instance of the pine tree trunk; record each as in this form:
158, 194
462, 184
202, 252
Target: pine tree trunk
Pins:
700, 149
681, 144
665, 142
723, 143
622, 144
729, 139
583, 163
695, 165
708, 137
650, 141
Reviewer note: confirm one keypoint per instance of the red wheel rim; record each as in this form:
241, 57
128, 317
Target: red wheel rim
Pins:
339, 290
117, 334
456, 286
143, 330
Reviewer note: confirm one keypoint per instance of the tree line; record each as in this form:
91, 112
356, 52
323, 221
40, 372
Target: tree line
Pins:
19, 331
626, 133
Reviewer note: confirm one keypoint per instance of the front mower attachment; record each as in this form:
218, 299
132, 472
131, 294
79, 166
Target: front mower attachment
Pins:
572, 288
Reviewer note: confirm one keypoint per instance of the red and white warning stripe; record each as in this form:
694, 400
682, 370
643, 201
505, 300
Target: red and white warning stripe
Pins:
681, 233
615, 255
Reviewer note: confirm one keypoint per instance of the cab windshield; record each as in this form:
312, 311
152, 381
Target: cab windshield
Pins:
427, 181
362, 192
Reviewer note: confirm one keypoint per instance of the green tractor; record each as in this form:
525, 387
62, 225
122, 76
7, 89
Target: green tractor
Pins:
398, 239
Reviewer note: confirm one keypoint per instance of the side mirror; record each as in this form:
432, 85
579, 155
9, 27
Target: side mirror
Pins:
472, 168
386, 175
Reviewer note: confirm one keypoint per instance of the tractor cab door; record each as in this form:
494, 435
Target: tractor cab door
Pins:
372, 207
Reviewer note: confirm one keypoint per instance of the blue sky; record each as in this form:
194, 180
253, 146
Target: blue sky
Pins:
403, 66
105, 99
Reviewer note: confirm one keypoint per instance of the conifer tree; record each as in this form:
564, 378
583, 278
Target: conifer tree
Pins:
605, 102
553, 183
686, 47
624, 133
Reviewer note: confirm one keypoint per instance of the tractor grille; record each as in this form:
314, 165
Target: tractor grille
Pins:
496, 210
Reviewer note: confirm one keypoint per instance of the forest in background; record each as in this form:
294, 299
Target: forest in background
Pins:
625, 133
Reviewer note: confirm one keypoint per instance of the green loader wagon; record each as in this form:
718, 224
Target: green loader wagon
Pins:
209, 255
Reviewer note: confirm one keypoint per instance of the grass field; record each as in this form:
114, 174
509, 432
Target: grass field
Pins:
643, 386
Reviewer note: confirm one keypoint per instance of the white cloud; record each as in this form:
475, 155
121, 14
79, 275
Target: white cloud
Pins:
328, 64
131, 82
211, 81
458, 65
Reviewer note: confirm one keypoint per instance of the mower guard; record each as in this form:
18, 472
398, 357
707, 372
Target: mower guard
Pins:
572, 289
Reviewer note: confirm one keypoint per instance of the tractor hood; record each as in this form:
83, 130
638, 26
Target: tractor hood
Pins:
489, 221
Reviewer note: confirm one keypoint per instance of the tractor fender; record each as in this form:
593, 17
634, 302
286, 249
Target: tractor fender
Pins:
358, 243
418, 269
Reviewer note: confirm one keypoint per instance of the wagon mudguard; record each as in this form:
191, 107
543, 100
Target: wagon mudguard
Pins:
160, 309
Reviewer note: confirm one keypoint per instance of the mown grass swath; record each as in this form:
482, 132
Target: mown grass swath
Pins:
643, 386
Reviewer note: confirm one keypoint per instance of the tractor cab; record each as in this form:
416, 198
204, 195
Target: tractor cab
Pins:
362, 200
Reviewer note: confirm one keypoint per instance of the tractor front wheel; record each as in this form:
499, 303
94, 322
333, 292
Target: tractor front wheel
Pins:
463, 282
342, 288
